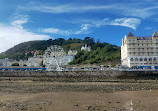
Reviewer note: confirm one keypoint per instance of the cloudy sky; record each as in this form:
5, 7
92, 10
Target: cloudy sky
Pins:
107, 20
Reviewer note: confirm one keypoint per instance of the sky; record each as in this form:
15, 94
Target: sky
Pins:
106, 20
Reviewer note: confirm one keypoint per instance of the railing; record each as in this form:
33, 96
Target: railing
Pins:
138, 69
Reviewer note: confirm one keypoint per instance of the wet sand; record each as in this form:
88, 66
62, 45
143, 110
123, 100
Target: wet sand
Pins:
78, 96
81, 101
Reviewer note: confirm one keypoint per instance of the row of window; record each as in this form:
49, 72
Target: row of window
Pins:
144, 59
133, 49
143, 54
133, 41
142, 63
141, 45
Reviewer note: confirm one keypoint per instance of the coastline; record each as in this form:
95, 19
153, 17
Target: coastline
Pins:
77, 91
114, 94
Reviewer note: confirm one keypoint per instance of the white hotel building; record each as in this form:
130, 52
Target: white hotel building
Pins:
139, 51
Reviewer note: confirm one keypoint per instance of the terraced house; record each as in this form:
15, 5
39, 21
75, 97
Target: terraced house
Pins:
139, 51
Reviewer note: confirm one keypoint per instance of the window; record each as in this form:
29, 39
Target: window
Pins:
145, 59
129, 41
154, 58
152, 53
140, 59
134, 53
136, 59
139, 53
150, 59
131, 59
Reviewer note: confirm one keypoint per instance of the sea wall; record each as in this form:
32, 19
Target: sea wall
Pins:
110, 73
58, 73
139, 73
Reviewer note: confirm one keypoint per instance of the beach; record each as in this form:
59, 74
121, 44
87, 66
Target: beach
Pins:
114, 95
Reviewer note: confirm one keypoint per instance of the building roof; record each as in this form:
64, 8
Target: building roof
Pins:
130, 34
155, 34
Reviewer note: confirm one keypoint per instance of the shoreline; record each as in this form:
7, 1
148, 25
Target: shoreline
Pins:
78, 93
78, 96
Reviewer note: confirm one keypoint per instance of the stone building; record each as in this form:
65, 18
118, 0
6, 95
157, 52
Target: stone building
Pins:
34, 61
139, 51
5, 62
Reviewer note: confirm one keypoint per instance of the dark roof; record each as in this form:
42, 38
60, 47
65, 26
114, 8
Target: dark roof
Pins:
130, 34
155, 34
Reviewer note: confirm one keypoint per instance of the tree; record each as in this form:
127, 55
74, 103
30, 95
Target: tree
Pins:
98, 41
89, 41
70, 39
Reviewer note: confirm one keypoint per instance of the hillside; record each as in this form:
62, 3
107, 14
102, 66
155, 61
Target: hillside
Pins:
18, 51
101, 52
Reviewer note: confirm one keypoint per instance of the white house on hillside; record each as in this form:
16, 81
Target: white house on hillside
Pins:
86, 48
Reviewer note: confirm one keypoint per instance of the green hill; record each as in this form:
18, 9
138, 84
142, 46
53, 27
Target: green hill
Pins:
101, 52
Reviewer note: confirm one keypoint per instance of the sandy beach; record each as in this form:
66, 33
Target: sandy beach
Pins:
78, 96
